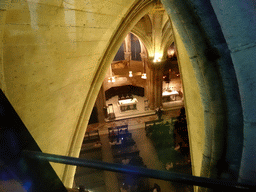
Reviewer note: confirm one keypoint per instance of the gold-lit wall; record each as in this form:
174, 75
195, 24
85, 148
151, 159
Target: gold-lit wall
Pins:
50, 53
193, 106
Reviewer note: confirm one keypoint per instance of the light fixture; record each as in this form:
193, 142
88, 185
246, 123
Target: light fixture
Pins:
171, 52
144, 76
157, 57
130, 74
111, 79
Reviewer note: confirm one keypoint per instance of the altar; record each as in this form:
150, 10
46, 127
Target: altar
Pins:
127, 104
169, 96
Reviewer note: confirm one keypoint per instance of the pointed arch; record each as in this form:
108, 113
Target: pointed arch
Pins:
138, 10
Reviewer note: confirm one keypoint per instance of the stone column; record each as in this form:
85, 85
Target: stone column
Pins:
154, 83
240, 35
149, 92
127, 49
144, 63
101, 104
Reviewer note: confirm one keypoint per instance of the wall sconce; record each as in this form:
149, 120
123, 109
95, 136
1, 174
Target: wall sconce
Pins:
144, 76
130, 74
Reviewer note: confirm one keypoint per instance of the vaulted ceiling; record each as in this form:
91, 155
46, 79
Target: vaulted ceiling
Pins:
155, 31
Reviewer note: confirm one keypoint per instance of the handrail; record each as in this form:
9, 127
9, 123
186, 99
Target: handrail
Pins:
140, 171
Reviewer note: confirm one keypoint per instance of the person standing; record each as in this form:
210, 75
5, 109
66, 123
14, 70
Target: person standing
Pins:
159, 113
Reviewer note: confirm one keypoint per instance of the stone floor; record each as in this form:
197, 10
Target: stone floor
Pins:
148, 153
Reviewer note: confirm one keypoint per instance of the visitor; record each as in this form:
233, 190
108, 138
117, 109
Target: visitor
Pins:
159, 113
112, 136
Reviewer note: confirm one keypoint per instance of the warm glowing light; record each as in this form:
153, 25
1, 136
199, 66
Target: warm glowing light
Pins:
130, 74
171, 52
144, 76
157, 57
111, 79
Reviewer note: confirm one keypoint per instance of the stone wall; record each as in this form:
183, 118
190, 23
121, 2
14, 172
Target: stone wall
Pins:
193, 106
51, 53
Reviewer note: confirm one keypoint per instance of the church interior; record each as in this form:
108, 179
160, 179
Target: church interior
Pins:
72, 71
129, 78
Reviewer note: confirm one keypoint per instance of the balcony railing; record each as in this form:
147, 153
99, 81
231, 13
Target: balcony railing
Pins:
31, 171
144, 172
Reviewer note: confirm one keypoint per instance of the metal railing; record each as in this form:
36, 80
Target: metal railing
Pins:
144, 172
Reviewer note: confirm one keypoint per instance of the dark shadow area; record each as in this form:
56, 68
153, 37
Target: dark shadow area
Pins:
18, 173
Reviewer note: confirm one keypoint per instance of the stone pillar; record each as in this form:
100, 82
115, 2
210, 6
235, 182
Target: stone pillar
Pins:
158, 85
101, 104
149, 92
144, 61
240, 35
154, 83
127, 49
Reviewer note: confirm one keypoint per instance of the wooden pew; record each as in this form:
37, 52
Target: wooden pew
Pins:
125, 142
91, 137
148, 123
118, 132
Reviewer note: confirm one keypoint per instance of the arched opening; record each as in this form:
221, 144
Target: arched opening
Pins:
120, 86
198, 72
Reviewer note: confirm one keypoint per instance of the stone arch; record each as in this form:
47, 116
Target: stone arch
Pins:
214, 104
240, 35
146, 41
2, 23
214, 71
4, 6
141, 8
